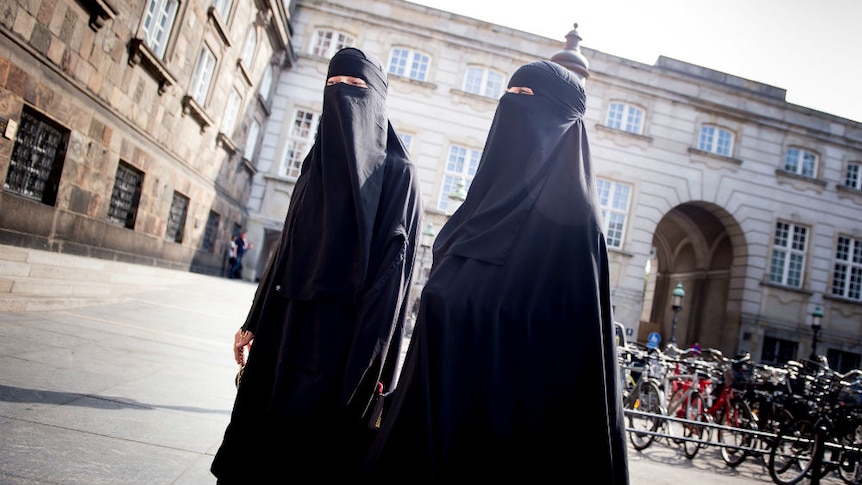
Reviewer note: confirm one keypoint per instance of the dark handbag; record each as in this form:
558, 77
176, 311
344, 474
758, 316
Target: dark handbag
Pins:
239, 375
376, 405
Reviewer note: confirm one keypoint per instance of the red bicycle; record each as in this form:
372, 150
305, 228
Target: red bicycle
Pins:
707, 394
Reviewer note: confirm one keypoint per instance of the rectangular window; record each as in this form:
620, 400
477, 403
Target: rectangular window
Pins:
251, 140
842, 361
299, 141
203, 75
847, 272
614, 200
801, 162
788, 254
158, 22
778, 351
327, 42
38, 155
714, 139
249, 47
211, 232
231, 110
125, 195
177, 218
852, 177
460, 169
222, 7
483, 82
406, 140
623, 116
404, 62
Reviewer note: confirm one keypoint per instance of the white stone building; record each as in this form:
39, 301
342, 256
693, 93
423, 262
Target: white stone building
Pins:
709, 180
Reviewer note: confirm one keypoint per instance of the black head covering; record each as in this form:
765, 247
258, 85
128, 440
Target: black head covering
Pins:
329, 312
524, 135
513, 354
336, 198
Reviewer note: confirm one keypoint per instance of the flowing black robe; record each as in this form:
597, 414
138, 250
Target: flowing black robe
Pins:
329, 312
511, 371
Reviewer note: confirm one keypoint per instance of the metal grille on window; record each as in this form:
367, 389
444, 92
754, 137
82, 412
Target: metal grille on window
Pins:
211, 231
37, 159
125, 196
177, 218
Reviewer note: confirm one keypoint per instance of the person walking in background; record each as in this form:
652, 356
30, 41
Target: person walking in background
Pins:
242, 246
231, 256
325, 327
511, 370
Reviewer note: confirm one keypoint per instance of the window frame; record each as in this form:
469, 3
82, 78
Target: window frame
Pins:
249, 47
613, 228
201, 82
853, 175
116, 203
152, 39
712, 142
300, 139
419, 63
792, 259
333, 39
251, 140
232, 108
461, 164
483, 82
178, 227
222, 7
800, 155
625, 122
847, 269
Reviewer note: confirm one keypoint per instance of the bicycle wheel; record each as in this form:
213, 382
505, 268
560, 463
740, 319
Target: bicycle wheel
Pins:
790, 456
676, 409
693, 433
647, 400
735, 444
850, 460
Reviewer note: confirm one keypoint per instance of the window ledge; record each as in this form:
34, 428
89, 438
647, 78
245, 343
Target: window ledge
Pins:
245, 74
710, 158
246, 163
799, 181
829, 296
849, 193
413, 82
139, 53
100, 12
264, 105
785, 287
476, 101
224, 141
622, 137
220, 27
191, 107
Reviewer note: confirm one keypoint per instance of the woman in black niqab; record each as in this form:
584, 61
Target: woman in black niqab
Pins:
511, 369
327, 319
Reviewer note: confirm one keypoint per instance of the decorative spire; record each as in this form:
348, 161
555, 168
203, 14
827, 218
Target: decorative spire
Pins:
571, 57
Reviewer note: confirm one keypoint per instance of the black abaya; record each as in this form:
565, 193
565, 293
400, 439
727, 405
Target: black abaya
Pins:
329, 312
511, 370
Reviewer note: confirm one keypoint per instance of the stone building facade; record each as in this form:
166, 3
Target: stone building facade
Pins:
129, 128
710, 182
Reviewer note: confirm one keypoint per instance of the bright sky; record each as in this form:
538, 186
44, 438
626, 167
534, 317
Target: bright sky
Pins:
810, 48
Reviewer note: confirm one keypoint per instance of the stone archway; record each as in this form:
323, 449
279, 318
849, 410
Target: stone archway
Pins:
700, 245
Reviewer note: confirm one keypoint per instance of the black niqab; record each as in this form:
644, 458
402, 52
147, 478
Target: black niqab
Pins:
512, 370
329, 311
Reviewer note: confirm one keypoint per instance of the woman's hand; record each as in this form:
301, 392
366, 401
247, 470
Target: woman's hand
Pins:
241, 341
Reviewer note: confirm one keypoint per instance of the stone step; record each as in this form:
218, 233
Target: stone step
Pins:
36, 280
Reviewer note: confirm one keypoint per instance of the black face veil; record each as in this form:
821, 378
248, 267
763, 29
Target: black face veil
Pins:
515, 333
336, 198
